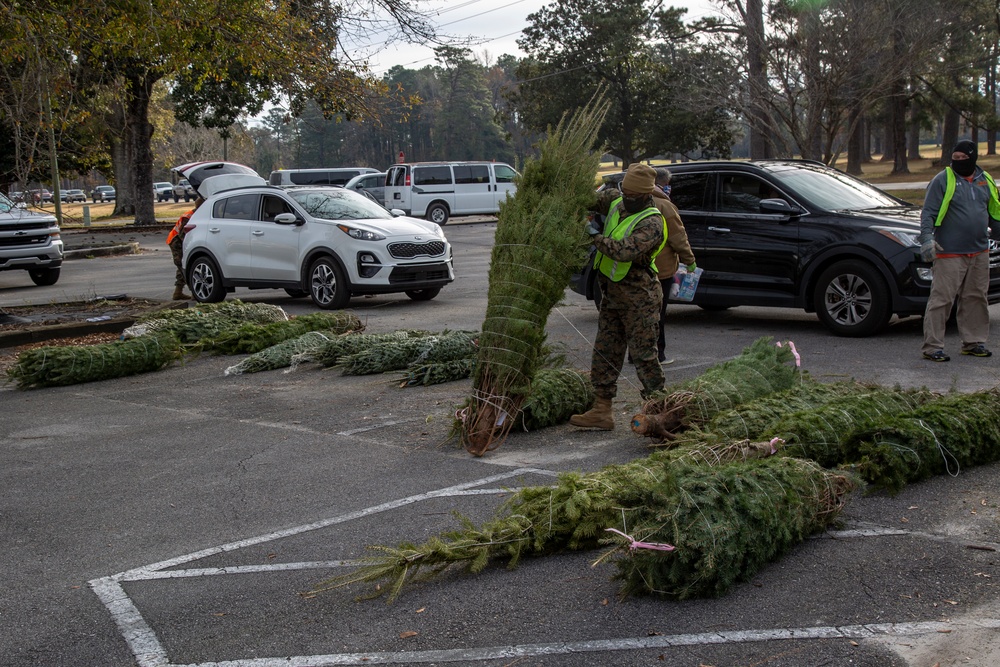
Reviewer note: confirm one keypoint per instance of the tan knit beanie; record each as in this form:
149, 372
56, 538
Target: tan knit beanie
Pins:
639, 178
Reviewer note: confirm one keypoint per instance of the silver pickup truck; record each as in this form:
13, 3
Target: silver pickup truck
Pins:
30, 242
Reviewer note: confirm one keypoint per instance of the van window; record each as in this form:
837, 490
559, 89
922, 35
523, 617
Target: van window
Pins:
475, 173
432, 175
309, 177
396, 176
504, 173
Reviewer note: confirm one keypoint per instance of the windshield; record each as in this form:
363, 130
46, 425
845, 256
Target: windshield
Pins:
5, 204
338, 204
835, 191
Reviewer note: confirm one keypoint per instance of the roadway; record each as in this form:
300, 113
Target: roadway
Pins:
176, 518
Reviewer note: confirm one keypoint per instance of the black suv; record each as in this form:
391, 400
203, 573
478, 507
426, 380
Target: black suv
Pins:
799, 234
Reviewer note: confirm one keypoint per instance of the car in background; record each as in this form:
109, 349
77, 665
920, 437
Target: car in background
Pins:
335, 176
41, 196
16, 196
102, 193
439, 190
183, 190
30, 241
799, 234
327, 242
163, 191
373, 184
72, 195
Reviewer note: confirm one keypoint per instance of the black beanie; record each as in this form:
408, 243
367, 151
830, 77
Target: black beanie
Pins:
967, 147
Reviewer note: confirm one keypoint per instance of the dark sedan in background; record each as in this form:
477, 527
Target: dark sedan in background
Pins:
799, 234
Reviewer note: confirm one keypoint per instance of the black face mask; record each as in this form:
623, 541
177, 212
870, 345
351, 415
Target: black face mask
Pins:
633, 205
964, 168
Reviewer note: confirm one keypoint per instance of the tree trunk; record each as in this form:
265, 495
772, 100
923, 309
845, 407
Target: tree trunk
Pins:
761, 147
949, 136
899, 163
140, 132
888, 154
913, 138
855, 140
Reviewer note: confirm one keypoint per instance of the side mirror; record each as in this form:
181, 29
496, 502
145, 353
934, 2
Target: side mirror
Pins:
288, 219
396, 212
779, 206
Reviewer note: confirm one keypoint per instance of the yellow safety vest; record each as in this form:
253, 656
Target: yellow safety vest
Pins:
617, 229
949, 192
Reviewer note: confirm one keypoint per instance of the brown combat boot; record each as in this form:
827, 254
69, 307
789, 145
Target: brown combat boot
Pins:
598, 416
179, 295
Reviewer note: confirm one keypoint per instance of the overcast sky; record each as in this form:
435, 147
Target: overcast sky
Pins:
494, 25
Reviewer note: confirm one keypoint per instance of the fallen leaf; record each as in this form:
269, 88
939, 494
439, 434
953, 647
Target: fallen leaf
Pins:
407, 634
220, 613
951, 602
944, 632
421, 610
913, 507
983, 502
604, 601
904, 520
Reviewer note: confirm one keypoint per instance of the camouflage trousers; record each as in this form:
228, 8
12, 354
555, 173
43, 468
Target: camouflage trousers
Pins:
629, 320
176, 251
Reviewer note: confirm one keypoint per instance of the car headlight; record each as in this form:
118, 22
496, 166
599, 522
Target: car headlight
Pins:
361, 234
903, 237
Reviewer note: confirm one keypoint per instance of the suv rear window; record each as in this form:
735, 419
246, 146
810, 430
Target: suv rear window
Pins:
687, 191
240, 207
432, 176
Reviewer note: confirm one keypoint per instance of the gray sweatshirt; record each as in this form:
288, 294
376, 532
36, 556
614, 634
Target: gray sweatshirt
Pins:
964, 229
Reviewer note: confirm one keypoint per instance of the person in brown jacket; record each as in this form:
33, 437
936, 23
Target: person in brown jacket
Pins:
676, 251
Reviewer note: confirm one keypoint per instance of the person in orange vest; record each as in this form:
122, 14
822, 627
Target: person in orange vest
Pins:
175, 239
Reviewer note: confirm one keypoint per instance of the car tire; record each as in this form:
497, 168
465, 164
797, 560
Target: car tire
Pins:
43, 277
423, 294
328, 287
295, 293
852, 299
437, 213
205, 280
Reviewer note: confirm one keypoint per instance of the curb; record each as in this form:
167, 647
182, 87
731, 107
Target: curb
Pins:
46, 332
103, 251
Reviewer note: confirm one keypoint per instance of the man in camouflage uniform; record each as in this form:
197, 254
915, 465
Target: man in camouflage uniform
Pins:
175, 239
634, 233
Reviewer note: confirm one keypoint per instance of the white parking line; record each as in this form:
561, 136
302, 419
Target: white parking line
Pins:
145, 645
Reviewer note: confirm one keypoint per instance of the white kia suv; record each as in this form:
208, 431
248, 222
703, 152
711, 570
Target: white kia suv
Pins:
325, 242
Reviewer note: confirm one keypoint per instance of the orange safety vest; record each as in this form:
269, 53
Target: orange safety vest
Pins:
179, 226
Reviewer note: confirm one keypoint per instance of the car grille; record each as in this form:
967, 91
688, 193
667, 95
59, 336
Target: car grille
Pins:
409, 250
994, 255
31, 233
418, 274
21, 241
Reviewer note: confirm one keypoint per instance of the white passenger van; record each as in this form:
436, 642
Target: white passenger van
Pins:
439, 190
340, 176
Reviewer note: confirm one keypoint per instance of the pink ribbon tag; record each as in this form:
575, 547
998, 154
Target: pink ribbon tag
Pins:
635, 544
795, 353
774, 444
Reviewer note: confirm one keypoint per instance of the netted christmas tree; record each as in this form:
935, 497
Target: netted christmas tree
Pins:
716, 514
539, 242
58, 366
763, 368
939, 437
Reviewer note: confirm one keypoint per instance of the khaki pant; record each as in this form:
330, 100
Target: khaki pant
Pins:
966, 279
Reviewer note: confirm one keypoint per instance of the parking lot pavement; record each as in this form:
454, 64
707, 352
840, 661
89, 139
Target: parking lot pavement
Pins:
181, 517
